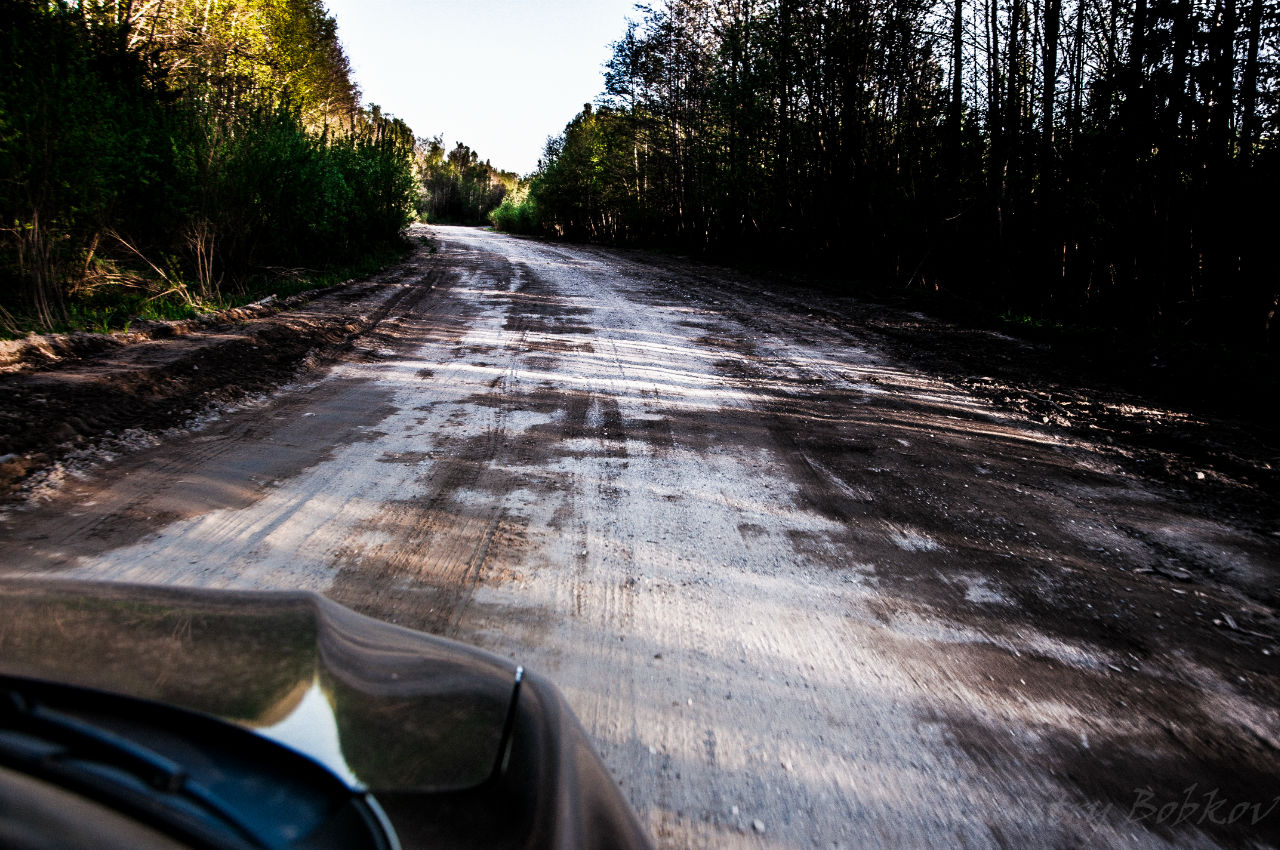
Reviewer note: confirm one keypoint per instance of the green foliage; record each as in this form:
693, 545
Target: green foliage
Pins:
224, 53
586, 187
174, 157
458, 188
78, 145
518, 213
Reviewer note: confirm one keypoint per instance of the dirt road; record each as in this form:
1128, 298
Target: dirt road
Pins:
800, 592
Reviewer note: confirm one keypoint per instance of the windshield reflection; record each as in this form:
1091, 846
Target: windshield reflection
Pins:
312, 728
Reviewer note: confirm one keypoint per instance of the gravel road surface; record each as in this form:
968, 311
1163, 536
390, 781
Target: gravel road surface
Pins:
800, 592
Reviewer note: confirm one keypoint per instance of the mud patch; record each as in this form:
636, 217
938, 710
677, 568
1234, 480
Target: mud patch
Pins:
558, 346
544, 325
427, 584
536, 308
726, 343
407, 458
1141, 750
655, 432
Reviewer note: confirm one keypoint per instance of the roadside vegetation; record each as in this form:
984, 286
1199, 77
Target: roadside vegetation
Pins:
1100, 165
160, 159
457, 187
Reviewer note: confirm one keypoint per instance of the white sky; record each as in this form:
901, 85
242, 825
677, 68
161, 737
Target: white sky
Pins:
499, 75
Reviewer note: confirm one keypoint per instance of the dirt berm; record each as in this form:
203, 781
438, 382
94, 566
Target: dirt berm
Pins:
70, 395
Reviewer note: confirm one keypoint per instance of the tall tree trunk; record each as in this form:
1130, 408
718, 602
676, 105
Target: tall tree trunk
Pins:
957, 68
785, 129
1249, 85
1224, 80
1053, 14
1180, 98
995, 131
1013, 109
1076, 99
1135, 109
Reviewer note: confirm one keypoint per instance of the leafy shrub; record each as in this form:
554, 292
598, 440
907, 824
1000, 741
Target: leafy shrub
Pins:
118, 180
518, 213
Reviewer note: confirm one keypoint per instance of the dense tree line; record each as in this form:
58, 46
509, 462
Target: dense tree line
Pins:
457, 187
1083, 160
183, 149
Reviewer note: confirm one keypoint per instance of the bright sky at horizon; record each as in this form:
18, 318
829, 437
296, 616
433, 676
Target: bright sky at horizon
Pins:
499, 75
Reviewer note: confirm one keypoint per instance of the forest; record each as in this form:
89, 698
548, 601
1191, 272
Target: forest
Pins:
457, 187
1078, 162
162, 157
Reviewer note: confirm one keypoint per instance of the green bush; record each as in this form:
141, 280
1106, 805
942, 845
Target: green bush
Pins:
116, 182
518, 213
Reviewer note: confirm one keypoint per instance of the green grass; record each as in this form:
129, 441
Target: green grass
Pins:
116, 309
1050, 330
108, 310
